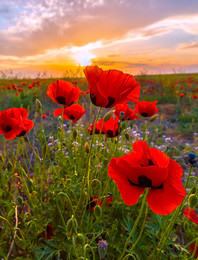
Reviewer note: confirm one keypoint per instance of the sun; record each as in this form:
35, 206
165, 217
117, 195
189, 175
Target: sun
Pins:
83, 58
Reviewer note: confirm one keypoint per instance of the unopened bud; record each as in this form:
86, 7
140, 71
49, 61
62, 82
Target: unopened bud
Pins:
80, 239
192, 201
1, 159
98, 211
87, 147
153, 118
186, 226
26, 139
127, 136
20, 200
71, 227
108, 116
9, 166
75, 134
38, 104
121, 116
102, 248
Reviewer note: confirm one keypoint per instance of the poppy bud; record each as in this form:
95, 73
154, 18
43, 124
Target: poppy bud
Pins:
1, 159
60, 119
186, 226
26, 139
59, 130
102, 248
80, 239
192, 201
121, 116
71, 228
87, 147
127, 136
20, 200
38, 105
153, 118
75, 134
98, 212
11, 213
107, 116
9, 166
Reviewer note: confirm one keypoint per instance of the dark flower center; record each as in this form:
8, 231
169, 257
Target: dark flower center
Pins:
144, 114
61, 100
150, 162
145, 182
72, 117
8, 128
111, 101
110, 133
22, 133
93, 99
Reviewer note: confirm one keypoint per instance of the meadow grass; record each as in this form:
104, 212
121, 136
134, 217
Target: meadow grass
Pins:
57, 201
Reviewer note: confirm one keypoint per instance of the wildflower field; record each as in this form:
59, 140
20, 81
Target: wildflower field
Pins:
99, 167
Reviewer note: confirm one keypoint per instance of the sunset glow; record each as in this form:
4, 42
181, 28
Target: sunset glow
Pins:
154, 36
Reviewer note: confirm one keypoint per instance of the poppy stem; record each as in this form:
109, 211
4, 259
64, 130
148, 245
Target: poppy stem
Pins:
189, 174
135, 224
168, 230
88, 168
144, 130
141, 231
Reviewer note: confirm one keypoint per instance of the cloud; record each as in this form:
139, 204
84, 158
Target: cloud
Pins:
39, 25
188, 45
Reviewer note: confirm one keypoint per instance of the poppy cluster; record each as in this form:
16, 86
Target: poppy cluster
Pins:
73, 112
111, 87
148, 168
128, 114
110, 127
14, 123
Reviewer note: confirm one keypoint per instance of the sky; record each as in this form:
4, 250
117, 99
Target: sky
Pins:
55, 37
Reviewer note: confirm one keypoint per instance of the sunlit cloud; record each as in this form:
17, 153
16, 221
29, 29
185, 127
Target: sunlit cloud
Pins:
125, 34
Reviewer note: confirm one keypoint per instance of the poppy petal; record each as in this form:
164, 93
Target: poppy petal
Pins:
58, 112
164, 201
129, 193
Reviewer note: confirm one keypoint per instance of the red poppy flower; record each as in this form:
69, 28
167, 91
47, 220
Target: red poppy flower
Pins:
192, 248
148, 167
30, 86
194, 96
190, 213
20, 89
14, 122
63, 92
99, 125
44, 115
111, 87
129, 114
181, 95
111, 127
73, 112
146, 109
48, 233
